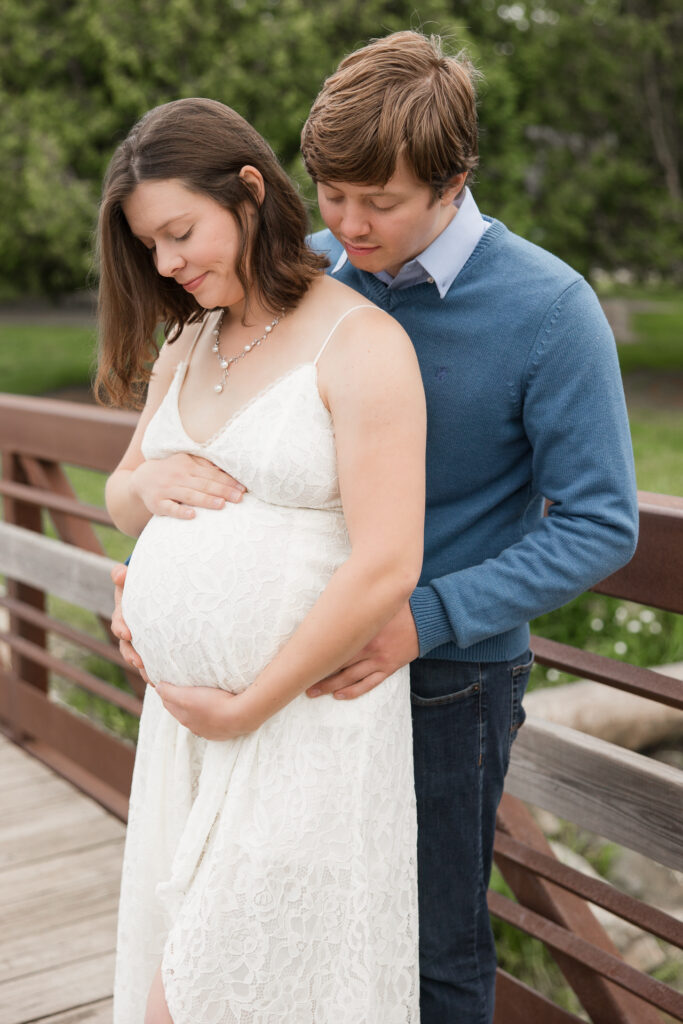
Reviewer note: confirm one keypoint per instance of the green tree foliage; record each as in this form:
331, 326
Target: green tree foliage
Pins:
578, 109
599, 92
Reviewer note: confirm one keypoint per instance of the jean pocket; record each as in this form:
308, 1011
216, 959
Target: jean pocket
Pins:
519, 677
525, 667
447, 698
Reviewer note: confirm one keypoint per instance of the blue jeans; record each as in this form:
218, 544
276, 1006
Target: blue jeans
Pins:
465, 717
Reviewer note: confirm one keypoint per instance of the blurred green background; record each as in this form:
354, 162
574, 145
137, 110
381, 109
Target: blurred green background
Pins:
580, 111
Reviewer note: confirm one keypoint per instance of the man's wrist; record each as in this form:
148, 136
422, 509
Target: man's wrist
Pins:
431, 622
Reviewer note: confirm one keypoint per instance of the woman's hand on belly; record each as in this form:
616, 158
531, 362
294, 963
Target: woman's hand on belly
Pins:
207, 711
175, 485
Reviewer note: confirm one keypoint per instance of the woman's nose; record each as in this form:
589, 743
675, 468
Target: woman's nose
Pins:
168, 260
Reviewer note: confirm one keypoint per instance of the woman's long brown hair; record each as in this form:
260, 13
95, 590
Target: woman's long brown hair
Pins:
204, 145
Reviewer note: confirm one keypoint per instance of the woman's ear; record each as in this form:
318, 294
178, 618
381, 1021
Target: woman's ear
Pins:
254, 179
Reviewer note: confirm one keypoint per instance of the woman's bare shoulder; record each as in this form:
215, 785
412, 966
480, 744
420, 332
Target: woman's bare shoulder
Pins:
338, 296
337, 300
172, 353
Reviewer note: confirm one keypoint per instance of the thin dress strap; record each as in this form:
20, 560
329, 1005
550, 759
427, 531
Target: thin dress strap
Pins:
203, 324
336, 325
185, 363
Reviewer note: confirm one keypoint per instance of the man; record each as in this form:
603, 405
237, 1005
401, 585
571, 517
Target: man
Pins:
524, 404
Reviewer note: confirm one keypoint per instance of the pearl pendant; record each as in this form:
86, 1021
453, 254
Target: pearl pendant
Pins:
218, 388
269, 329
214, 347
223, 364
247, 348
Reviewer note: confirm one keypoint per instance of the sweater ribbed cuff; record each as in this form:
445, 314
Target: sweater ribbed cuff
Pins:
431, 621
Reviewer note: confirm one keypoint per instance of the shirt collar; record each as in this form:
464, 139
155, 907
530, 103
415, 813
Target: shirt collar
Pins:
444, 258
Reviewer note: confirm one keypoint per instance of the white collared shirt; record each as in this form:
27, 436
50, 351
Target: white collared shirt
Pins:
444, 258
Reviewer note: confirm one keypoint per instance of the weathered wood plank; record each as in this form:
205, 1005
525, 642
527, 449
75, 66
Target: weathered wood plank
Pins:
82, 877
35, 995
59, 899
80, 577
620, 795
69, 825
34, 795
93, 1013
47, 950
61, 908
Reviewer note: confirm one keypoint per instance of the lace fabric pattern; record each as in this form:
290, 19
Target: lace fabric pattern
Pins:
273, 877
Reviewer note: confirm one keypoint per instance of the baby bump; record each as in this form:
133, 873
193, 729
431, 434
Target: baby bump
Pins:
210, 600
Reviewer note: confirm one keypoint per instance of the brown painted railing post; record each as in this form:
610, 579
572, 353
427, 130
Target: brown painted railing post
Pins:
30, 517
605, 1002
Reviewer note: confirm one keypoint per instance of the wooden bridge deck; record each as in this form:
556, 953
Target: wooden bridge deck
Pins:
60, 863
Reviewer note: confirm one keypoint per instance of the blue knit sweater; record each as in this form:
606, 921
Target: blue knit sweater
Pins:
524, 402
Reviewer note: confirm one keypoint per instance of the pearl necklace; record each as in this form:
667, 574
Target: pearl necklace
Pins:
224, 363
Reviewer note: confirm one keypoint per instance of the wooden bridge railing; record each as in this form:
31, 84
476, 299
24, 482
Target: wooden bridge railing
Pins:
621, 795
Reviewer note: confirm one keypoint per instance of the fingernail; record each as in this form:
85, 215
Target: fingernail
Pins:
314, 692
188, 513
235, 494
339, 696
217, 502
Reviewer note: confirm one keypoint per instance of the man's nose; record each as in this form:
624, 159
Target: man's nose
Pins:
354, 222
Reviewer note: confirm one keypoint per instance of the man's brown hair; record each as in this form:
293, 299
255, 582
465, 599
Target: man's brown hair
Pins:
204, 145
397, 96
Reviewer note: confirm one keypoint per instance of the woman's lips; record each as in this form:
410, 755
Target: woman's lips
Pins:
190, 286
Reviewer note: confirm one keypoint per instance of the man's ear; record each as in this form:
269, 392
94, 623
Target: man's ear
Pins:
254, 179
453, 188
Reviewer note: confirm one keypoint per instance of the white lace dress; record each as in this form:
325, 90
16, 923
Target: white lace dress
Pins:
273, 876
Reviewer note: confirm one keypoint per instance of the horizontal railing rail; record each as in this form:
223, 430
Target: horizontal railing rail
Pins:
619, 794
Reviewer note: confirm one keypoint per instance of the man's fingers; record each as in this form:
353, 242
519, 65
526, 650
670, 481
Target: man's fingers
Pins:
358, 689
345, 677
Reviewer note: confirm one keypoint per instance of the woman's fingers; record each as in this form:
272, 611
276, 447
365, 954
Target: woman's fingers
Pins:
209, 472
130, 655
197, 493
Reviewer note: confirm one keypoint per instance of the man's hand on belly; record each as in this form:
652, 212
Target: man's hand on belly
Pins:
394, 646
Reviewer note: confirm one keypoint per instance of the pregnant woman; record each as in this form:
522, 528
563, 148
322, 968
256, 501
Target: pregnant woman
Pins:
269, 872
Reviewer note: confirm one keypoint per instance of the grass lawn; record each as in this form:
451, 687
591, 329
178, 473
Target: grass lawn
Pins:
657, 437
34, 360
658, 327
